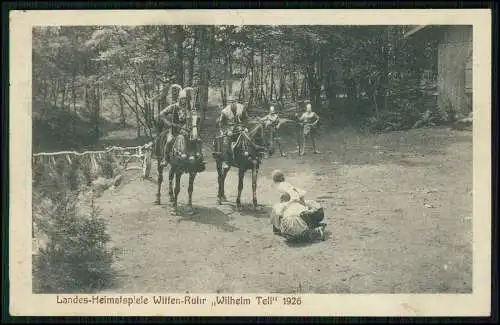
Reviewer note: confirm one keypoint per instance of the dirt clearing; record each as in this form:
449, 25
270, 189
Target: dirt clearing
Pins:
398, 208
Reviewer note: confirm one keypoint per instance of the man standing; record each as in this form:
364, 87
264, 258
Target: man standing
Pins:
174, 116
272, 123
309, 119
232, 121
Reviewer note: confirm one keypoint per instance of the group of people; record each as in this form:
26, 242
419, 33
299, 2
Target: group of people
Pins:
293, 217
307, 122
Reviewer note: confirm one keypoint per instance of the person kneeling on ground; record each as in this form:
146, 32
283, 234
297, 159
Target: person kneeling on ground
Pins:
294, 217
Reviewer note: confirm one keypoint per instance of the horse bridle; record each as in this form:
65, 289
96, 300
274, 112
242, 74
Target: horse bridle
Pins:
248, 137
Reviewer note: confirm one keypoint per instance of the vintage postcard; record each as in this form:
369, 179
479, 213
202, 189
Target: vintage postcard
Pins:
248, 163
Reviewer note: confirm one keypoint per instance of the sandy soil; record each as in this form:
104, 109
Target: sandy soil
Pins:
398, 208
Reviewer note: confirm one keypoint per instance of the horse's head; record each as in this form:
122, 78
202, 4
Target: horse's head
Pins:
250, 143
193, 124
193, 145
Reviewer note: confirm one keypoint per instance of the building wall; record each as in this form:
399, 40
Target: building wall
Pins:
454, 68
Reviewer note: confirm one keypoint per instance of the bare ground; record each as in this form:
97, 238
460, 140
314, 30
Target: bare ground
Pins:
398, 208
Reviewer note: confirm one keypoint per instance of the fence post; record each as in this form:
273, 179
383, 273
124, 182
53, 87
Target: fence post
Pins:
146, 162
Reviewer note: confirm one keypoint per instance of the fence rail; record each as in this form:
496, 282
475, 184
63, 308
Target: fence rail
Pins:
143, 153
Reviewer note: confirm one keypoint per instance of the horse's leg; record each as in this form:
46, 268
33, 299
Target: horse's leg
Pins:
241, 176
160, 180
171, 175
219, 180
192, 176
255, 172
178, 175
225, 171
221, 176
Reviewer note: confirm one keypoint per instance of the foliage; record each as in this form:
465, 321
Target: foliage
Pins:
84, 69
77, 257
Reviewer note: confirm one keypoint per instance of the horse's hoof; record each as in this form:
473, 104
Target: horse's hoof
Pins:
157, 202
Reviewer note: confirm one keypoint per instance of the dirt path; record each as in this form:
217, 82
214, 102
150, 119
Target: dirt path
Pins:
399, 209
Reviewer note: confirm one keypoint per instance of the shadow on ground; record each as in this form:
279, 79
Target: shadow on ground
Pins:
207, 215
304, 243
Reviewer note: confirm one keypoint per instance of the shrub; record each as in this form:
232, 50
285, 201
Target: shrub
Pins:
110, 167
77, 257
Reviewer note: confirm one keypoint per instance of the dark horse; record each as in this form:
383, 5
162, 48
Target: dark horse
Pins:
185, 156
248, 150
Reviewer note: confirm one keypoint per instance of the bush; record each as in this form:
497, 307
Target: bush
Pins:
110, 167
61, 129
77, 257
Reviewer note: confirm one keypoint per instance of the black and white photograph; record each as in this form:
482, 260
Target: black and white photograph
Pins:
194, 163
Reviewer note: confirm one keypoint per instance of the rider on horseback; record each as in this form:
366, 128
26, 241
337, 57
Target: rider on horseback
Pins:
174, 116
231, 123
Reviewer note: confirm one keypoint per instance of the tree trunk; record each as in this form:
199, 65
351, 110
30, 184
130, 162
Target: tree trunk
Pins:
95, 112
63, 97
55, 93
45, 93
282, 85
86, 97
272, 84
251, 85
230, 81
313, 85
205, 37
138, 123
261, 81
180, 55
331, 92
224, 82
192, 55
123, 117
241, 95
73, 91
137, 110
